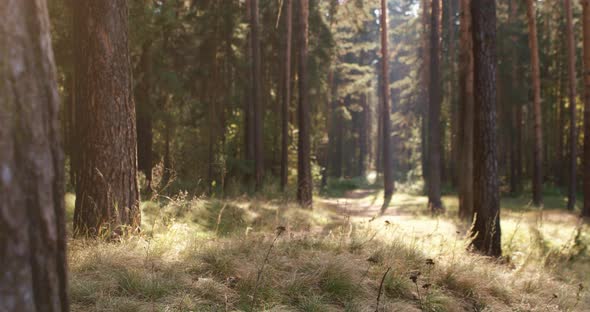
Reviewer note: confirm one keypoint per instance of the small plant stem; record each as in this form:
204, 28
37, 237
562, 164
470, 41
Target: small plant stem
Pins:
259, 276
381, 288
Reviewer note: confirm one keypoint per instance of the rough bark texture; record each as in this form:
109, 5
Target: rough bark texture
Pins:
387, 157
107, 193
144, 110
304, 182
434, 108
466, 112
256, 95
571, 58
32, 216
586, 26
286, 95
536, 81
486, 228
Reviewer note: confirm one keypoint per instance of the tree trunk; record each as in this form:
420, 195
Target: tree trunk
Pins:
385, 112
516, 111
107, 197
249, 103
486, 228
363, 138
304, 182
144, 110
256, 96
424, 90
536, 81
32, 214
434, 126
586, 27
286, 95
571, 52
454, 159
466, 103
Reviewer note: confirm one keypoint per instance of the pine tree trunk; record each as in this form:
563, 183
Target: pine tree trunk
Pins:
144, 112
256, 96
249, 100
363, 136
286, 95
107, 197
486, 228
385, 112
434, 126
454, 160
304, 182
571, 49
32, 214
586, 27
466, 103
426, 5
516, 111
536, 81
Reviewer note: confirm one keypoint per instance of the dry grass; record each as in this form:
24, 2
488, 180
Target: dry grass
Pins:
331, 259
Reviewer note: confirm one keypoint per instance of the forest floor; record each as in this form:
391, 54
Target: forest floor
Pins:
199, 254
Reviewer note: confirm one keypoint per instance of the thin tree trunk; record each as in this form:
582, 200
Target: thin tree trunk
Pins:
586, 27
536, 81
256, 96
571, 48
434, 144
486, 228
144, 110
32, 214
107, 196
454, 161
286, 95
363, 136
304, 182
516, 111
426, 5
385, 112
466, 102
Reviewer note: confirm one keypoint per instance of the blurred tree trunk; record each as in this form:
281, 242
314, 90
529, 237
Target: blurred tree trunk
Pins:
363, 137
32, 214
256, 96
516, 111
107, 196
426, 5
536, 81
454, 159
144, 110
286, 95
571, 52
304, 181
486, 228
466, 113
586, 27
385, 112
434, 143
249, 103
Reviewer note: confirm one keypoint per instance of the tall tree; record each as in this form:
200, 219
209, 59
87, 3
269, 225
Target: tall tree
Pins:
32, 214
466, 113
571, 59
424, 91
107, 196
286, 94
516, 113
144, 110
387, 157
257, 95
304, 182
536, 81
434, 108
486, 228
586, 27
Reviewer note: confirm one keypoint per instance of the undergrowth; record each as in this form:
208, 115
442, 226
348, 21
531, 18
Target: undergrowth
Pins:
207, 255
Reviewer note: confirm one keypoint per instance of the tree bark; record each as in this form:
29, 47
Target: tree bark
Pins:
486, 228
385, 112
304, 182
286, 95
571, 49
454, 159
466, 103
256, 96
424, 90
536, 81
516, 111
32, 214
107, 196
586, 27
434, 126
